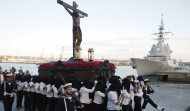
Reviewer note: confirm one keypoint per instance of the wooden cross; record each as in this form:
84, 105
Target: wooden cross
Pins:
76, 23
72, 8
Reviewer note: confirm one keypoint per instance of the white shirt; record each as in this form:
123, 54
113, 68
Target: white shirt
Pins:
98, 97
108, 85
76, 91
139, 93
36, 87
62, 92
42, 90
84, 95
126, 98
20, 86
49, 95
32, 88
2, 78
26, 87
132, 91
112, 100
55, 92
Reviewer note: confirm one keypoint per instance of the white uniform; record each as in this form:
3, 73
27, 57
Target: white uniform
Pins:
126, 98
32, 87
132, 91
98, 97
1, 79
84, 95
20, 85
49, 95
42, 90
36, 87
55, 92
112, 100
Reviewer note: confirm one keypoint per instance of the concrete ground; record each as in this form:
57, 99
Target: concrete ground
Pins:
173, 97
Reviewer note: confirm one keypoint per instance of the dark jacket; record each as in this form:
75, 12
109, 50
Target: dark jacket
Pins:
147, 92
9, 89
70, 104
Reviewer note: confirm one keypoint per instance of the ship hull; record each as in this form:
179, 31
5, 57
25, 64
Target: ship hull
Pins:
147, 67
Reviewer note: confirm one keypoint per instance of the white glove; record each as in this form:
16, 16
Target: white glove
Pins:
136, 81
61, 86
95, 82
142, 83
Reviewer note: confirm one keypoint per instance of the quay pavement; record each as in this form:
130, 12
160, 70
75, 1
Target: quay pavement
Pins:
173, 97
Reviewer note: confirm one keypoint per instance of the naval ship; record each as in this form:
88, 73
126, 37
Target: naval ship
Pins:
159, 57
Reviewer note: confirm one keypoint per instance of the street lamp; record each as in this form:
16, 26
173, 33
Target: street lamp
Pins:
90, 54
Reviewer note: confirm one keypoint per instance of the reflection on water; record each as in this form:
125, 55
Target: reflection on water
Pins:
121, 71
124, 71
33, 68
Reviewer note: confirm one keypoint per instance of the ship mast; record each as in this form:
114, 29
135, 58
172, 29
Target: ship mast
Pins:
161, 32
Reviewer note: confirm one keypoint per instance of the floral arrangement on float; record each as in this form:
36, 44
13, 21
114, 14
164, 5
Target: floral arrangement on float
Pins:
78, 68
80, 64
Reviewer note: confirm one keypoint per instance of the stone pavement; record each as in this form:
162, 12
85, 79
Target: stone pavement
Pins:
173, 97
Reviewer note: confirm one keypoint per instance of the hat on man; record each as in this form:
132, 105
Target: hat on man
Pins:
146, 80
9, 75
66, 85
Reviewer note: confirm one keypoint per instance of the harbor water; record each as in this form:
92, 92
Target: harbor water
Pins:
121, 71
173, 97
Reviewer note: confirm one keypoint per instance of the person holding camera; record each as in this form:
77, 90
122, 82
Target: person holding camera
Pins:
147, 90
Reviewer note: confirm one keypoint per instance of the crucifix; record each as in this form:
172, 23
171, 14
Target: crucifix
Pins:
77, 33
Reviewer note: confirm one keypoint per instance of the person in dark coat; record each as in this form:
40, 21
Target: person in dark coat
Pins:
7, 93
146, 95
67, 102
19, 80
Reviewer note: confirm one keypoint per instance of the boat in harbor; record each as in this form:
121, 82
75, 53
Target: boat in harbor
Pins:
159, 57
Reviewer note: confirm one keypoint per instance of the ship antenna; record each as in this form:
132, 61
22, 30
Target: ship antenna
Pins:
161, 32
162, 24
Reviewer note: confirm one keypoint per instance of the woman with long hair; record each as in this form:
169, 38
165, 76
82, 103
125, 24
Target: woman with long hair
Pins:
139, 84
56, 92
126, 102
99, 96
85, 91
114, 96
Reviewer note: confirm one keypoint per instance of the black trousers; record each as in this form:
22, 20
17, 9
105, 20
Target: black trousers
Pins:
87, 107
148, 100
27, 101
114, 110
56, 104
8, 103
51, 104
39, 101
137, 103
44, 102
33, 101
127, 107
19, 98
98, 107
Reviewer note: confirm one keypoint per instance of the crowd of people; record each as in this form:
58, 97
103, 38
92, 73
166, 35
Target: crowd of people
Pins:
52, 93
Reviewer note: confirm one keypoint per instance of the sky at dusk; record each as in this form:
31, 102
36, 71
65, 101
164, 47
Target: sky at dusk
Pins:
115, 29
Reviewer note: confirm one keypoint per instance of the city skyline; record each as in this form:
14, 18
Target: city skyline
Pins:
115, 29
